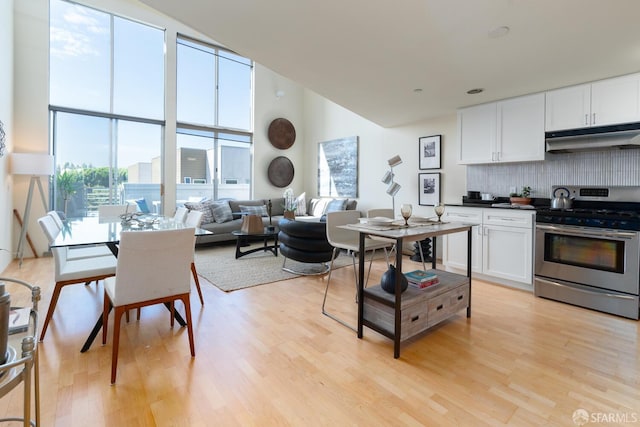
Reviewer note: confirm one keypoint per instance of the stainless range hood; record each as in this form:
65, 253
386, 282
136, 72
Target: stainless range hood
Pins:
595, 138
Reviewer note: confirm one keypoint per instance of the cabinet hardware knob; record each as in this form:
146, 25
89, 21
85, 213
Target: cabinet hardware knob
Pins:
439, 307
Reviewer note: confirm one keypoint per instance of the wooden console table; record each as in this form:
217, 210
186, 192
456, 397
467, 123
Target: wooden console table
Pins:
401, 316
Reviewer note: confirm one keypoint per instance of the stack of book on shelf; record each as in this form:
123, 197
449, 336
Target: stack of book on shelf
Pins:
422, 279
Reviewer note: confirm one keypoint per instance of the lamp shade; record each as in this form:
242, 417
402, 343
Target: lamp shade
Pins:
394, 161
388, 177
393, 189
31, 164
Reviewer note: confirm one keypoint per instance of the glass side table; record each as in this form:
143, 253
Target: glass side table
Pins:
21, 365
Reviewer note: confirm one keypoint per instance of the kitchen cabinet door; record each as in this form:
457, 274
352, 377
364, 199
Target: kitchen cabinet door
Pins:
615, 101
477, 134
507, 253
568, 108
520, 124
454, 252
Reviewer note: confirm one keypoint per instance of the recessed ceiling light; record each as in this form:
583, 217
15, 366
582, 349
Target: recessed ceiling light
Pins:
475, 91
498, 32
417, 90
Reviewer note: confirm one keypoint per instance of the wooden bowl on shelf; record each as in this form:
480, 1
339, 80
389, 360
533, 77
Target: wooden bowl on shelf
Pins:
520, 200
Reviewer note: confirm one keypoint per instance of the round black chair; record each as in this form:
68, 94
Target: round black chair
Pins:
305, 242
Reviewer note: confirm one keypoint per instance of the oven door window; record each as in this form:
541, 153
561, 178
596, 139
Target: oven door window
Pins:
588, 252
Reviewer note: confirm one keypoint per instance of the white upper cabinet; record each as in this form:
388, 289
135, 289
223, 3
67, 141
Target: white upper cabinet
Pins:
521, 129
568, 108
606, 102
477, 133
506, 131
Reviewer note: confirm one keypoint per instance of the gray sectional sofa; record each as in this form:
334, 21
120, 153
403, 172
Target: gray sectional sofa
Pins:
221, 217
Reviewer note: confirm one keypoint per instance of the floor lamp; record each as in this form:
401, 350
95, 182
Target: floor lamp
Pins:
394, 187
36, 165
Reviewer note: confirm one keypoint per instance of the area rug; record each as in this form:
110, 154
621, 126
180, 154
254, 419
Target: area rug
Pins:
219, 266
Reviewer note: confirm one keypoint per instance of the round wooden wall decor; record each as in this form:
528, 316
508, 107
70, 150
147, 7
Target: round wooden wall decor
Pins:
282, 134
280, 171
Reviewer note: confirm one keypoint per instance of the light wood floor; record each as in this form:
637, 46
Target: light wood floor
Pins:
267, 356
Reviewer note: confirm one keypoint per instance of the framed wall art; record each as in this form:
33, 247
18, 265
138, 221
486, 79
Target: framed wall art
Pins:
429, 152
338, 168
428, 189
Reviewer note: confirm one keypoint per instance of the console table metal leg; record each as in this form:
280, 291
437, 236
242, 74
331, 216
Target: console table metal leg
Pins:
469, 237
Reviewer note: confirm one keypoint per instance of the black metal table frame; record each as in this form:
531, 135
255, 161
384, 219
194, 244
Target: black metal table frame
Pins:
398, 293
244, 238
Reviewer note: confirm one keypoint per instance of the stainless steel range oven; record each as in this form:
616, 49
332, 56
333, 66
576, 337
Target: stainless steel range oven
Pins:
590, 255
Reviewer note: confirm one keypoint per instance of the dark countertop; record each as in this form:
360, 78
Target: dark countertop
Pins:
478, 203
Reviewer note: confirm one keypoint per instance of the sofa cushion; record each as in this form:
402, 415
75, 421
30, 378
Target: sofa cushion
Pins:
254, 210
336, 205
204, 207
235, 205
301, 202
221, 212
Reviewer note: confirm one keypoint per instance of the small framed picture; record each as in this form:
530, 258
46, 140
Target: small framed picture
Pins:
429, 152
187, 180
428, 189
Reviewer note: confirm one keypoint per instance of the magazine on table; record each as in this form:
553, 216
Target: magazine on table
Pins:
19, 319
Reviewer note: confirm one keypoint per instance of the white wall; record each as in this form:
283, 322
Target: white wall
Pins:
6, 116
325, 120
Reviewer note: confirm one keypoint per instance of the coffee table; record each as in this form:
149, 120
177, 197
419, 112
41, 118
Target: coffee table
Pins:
266, 235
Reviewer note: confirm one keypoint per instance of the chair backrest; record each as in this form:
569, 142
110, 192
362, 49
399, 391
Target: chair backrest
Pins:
339, 237
56, 218
50, 228
383, 212
194, 218
114, 211
153, 264
181, 214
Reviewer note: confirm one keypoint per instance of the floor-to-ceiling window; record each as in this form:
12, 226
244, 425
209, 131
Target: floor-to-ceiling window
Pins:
107, 88
214, 129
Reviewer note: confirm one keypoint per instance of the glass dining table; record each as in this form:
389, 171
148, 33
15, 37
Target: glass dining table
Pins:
90, 231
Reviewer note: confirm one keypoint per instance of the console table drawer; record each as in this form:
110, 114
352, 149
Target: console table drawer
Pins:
447, 304
414, 318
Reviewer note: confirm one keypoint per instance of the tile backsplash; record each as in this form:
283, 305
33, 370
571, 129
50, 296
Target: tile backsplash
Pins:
614, 167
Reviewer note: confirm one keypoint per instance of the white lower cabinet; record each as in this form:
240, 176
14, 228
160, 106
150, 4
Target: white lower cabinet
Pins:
502, 244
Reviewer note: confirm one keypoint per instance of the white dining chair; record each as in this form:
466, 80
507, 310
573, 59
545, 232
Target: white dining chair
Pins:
74, 252
348, 240
152, 268
114, 211
181, 214
72, 271
193, 219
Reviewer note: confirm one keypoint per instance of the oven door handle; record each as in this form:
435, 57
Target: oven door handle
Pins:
586, 291
583, 232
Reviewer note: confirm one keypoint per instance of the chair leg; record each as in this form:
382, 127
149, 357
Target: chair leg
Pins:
52, 306
187, 313
106, 307
195, 279
422, 256
172, 308
326, 290
116, 342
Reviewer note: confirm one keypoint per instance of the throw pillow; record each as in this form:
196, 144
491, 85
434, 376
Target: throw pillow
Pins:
204, 207
254, 210
301, 202
221, 212
336, 205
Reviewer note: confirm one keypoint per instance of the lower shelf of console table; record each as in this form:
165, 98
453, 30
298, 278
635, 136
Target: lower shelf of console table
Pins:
420, 309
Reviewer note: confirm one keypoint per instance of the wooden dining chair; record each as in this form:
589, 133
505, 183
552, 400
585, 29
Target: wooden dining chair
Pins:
153, 268
193, 219
70, 271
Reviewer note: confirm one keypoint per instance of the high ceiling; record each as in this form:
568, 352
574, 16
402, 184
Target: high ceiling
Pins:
397, 62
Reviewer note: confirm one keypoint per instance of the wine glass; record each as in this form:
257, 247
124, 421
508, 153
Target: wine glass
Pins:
405, 210
439, 210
